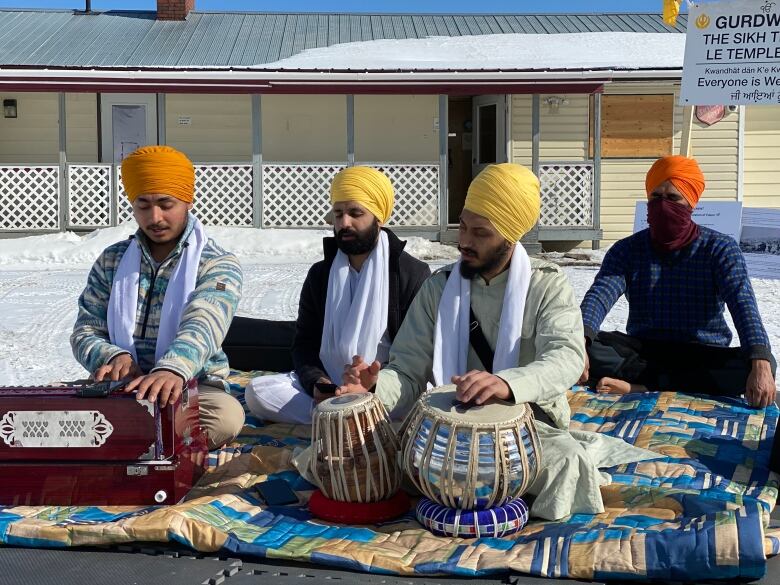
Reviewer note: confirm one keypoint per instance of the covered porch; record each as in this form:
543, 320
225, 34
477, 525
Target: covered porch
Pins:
267, 160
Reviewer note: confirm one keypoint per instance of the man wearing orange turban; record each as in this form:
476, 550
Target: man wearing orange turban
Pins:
158, 305
677, 276
351, 302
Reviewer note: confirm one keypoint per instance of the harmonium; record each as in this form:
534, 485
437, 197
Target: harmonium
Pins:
94, 445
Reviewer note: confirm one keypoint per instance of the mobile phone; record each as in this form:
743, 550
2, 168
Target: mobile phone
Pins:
326, 388
276, 492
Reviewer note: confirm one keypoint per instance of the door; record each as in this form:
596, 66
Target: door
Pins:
489, 144
128, 121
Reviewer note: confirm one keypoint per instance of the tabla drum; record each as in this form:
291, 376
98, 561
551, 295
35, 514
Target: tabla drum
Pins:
469, 457
355, 450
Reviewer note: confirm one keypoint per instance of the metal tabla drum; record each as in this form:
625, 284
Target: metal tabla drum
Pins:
355, 456
469, 457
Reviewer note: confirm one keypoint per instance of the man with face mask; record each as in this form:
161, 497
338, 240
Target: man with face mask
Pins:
677, 276
351, 302
530, 349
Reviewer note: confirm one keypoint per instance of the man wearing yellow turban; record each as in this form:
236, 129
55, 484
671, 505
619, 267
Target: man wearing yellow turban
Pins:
158, 305
677, 277
352, 302
499, 325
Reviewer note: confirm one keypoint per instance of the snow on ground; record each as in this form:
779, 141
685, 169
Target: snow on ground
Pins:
267, 246
602, 50
41, 278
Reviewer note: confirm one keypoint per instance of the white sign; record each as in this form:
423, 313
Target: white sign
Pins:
732, 53
722, 216
185, 120
760, 242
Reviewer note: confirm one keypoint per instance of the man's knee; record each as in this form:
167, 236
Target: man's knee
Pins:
263, 396
221, 416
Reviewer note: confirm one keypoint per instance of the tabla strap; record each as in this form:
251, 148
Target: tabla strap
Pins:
485, 354
479, 343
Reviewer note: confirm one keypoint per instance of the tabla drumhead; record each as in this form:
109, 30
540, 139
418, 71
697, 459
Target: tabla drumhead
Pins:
441, 402
345, 402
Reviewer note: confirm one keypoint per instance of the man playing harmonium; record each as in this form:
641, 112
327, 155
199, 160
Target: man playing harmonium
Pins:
351, 302
158, 305
677, 277
500, 325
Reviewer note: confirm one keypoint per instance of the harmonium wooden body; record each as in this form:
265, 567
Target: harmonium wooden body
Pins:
89, 445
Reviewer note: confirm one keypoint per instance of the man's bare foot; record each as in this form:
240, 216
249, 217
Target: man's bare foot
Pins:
613, 386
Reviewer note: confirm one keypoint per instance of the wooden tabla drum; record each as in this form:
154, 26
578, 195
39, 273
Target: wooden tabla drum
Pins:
355, 449
469, 457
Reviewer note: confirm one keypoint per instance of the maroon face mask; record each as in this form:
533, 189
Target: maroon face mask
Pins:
671, 226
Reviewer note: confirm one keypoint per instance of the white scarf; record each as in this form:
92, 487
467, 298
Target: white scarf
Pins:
123, 302
355, 321
451, 337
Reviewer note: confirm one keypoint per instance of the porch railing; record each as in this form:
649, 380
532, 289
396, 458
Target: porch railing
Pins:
567, 194
29, 198
297, 194
224, 195
292, 195
34, 198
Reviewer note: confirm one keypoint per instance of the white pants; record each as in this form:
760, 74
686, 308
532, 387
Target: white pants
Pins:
279, 398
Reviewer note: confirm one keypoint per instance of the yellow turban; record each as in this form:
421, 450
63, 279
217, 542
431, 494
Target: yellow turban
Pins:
158, 169
508, 195
367, 186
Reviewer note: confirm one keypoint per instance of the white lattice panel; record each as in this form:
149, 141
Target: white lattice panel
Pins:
416, 193
29, 198
297, 195
124, 211
223, 195
89, 196
567, 195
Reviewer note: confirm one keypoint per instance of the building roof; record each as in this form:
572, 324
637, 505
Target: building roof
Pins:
34, 39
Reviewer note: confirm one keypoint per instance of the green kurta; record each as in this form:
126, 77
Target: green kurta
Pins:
552, 348
552, 358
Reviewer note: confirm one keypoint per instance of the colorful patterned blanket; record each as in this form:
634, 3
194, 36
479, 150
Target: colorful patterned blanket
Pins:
700, 511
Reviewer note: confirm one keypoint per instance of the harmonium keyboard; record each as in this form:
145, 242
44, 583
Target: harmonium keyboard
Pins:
92, 444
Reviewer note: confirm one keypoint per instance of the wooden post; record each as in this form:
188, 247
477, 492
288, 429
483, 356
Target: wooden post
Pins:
63, 166
444, 203
257, 161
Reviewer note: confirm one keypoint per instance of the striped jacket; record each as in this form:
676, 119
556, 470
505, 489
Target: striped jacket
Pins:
196, 351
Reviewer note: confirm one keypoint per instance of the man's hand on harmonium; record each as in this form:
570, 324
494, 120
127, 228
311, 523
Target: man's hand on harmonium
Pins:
162, 384
121, 366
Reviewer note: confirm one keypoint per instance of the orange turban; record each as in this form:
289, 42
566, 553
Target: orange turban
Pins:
682, 172
158, 169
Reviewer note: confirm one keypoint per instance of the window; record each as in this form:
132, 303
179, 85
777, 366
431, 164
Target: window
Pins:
635, 126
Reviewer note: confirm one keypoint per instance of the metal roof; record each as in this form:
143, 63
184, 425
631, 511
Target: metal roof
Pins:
122, 39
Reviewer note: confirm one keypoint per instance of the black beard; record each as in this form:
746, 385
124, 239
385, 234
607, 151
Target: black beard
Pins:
363, 243
469, 272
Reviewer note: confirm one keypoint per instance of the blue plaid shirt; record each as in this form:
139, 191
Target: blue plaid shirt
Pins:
679, 296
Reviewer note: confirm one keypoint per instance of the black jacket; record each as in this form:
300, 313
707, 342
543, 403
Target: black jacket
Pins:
406, 277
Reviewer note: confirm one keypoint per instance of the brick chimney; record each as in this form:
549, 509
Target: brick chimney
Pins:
174, 9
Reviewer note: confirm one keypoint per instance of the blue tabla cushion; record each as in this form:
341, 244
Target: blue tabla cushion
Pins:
491, 522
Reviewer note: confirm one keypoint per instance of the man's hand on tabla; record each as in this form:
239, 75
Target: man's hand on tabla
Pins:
478, 387
122, 366
359, 376
162, 383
